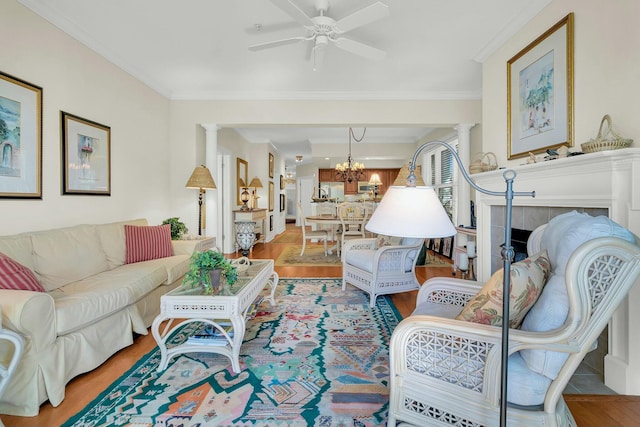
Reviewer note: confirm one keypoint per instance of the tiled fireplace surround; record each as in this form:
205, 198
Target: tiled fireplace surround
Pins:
599, 184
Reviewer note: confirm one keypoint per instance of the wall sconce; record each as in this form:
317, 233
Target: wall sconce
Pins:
202, 180
375, 181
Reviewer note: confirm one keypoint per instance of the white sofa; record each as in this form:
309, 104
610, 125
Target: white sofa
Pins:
92, 304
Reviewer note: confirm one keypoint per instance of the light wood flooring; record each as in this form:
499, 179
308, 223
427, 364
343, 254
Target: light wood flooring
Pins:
588, 410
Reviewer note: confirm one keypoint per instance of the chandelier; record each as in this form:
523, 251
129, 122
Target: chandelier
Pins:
350, 171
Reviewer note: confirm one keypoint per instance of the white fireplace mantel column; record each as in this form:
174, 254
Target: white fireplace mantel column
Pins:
464, 189
608, 179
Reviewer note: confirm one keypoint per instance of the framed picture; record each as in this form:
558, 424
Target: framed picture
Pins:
282, 182
86, 156
271, 165
20, 138
242, 170
540, 93
271, 201
282, 204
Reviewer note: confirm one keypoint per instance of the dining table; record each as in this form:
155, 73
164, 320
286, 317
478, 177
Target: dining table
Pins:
332, 221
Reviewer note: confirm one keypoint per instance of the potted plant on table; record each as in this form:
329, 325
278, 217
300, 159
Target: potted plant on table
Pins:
208, 269
178, 229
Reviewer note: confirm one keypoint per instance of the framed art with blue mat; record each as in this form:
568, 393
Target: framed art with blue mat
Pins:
319, 358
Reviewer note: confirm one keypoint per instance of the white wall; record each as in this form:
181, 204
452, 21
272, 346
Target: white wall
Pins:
78, 81
606, 64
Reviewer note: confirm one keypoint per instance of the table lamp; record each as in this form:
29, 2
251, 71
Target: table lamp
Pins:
201, 179
416, 211
244, 196
375, 181
255, 183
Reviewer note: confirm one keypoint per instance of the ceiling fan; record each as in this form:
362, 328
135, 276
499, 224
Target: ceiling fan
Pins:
323, 30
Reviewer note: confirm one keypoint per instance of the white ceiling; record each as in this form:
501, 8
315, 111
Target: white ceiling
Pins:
198, 49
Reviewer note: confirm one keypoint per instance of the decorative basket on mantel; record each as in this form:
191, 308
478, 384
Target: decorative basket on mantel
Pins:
606, 139
483, 162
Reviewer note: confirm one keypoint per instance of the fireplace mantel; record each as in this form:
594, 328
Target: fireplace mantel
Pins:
597, 180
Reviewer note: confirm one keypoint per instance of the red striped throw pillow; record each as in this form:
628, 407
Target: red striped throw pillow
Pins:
14, 275
147, 242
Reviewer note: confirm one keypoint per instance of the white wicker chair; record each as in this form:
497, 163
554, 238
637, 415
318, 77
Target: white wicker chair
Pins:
446, 371
382, 271
348, 212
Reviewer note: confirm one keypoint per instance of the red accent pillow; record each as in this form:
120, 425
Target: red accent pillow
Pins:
147, 242
14, 275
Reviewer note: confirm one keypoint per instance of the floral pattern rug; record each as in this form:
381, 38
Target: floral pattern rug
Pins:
318, 358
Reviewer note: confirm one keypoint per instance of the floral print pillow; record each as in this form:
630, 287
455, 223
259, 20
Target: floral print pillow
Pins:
528, 277
383, 240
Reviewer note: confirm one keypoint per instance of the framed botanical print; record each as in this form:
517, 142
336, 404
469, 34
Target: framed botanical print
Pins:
540, 93
86, 156
282, 202
20, 138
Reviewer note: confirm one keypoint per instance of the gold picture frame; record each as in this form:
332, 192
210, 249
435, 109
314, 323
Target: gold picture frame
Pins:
242, 173
271, 195
20, 139
271, 165
540, 93
86, 156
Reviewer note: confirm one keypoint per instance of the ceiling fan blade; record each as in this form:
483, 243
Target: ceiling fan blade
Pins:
362, 17
277, 43
294, 11
360, 49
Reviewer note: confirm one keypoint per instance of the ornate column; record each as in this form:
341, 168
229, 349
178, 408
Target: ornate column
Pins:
464, 189
212, 225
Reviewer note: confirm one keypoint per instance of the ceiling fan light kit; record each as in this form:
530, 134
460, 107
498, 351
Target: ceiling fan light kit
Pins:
324, 30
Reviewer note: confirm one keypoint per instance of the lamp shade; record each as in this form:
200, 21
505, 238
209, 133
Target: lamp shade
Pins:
375, 179
411, 212
255, 183
201, 178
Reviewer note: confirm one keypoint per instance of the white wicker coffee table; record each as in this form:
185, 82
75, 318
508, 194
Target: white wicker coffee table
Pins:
192, 305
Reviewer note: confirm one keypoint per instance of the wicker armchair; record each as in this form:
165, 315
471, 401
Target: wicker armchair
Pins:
383, 270
447, 371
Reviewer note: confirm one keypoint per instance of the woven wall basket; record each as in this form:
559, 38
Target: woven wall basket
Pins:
606, 139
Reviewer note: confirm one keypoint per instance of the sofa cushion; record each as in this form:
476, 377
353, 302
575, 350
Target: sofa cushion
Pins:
177, 266
113, 240
448, 311
147, 243
66, 255
85, 301
18, 248
527, 280
14, 275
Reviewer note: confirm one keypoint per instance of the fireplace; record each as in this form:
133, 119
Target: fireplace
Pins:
598, 183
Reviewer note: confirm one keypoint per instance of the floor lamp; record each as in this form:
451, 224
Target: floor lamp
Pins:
416, 211
202, 180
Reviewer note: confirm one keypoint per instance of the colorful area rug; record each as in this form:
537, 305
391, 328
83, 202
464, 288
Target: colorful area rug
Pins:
313, 256
319, 358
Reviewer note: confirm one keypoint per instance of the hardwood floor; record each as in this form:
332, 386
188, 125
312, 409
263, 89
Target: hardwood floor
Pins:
588, 410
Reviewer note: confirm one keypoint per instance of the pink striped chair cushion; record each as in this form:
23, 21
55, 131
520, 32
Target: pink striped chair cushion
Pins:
14, 275
147, 242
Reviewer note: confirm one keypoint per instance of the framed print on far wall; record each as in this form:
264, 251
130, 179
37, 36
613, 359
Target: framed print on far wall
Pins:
86, 156
271, 165
20, 139
540, 93
242, 173
271, 195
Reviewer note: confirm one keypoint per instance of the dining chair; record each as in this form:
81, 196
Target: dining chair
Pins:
311, 234
353, 216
